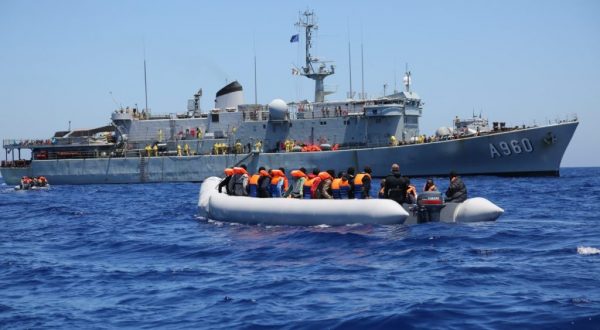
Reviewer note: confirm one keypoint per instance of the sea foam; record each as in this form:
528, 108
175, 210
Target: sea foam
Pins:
584, 250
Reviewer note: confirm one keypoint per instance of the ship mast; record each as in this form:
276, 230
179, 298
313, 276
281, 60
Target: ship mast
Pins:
407, 79
307, 21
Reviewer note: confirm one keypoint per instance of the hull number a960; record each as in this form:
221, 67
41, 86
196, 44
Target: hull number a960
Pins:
512, 147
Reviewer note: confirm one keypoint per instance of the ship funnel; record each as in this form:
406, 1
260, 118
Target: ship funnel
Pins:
230, 96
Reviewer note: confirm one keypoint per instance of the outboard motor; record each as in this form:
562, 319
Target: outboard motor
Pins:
429, 205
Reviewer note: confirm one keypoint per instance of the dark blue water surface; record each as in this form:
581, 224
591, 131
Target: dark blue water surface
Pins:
137, 256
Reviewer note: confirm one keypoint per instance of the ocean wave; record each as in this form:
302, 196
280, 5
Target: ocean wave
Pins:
135, 256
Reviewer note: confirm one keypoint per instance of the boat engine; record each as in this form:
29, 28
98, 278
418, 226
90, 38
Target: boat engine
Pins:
429, 205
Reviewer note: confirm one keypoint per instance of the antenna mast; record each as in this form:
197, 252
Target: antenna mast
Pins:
362, 72
407, 79
351, 94
255, 87
307, 21
145, 85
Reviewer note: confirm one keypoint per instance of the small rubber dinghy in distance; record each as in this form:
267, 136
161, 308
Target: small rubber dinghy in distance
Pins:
430, 207
295, 212
36, 183
18, 188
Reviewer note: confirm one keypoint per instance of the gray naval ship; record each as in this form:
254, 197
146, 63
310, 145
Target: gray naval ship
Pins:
139, 146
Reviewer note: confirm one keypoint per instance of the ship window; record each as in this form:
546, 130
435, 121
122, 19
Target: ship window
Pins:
264, 126
214, 117
411, 120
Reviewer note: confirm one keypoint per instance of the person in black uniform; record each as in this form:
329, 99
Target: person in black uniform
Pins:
457, 191
350, 176
396, 185
366, 183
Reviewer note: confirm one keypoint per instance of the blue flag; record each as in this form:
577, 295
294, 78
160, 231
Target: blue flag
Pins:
295, 38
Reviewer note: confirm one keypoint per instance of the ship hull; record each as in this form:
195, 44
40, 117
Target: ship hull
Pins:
531, 151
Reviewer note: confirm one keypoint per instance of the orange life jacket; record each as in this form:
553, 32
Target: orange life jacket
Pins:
358, 193
298, 174
277, 175
286, 183
306, 188
253, 184
336, 188
228, 171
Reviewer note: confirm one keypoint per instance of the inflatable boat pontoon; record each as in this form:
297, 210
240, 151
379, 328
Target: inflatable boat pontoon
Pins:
310, 212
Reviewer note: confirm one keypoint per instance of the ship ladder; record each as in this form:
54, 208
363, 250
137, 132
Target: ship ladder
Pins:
143, 173
250, 154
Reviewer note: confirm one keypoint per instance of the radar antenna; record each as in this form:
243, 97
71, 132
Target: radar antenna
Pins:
407, 79
308, 21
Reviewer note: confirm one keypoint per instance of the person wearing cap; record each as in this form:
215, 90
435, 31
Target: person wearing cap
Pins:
457, 191
396, 186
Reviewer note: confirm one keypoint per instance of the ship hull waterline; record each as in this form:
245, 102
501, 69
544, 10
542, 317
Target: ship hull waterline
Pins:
534, 151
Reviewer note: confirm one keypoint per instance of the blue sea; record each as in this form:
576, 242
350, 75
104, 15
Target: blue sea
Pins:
138, 256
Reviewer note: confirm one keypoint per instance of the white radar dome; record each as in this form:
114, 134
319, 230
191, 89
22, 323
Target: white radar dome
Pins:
443, 131
278, 110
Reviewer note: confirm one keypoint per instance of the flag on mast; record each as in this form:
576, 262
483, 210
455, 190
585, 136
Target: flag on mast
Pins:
295, 38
